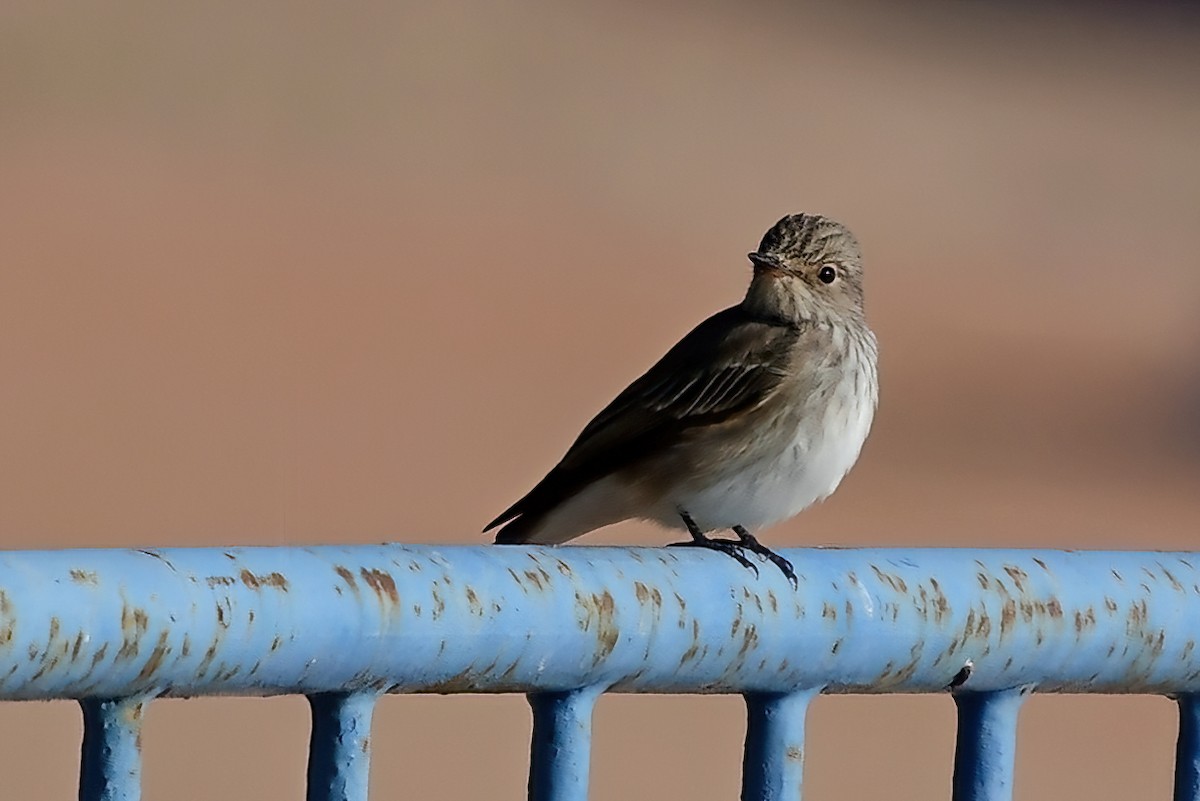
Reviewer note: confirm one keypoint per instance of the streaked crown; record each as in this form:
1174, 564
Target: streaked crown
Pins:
811, 239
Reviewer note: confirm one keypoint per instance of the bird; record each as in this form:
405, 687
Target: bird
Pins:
756, 414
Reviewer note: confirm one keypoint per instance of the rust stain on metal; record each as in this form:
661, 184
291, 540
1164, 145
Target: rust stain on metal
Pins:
1054, 608
133, 625
84, 577
98, 656
382, 583
941, 606
828, 612
1018, 576
563, 568
276, 643
473, 603
682, 610
749, 640
10, 623
983, 580
647, 594
984, 628
161, 649
185, 648
220, 581
1040, 564
347, 577
837, 644
794, 753
1008, 617
207, 661
1084, 620
596, 612
849, 611
275, 580
78, 646
893, 581
439, 603
536, 578
1175, 585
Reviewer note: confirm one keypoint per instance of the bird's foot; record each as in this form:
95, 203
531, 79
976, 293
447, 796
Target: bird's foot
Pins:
751, 544
731, 548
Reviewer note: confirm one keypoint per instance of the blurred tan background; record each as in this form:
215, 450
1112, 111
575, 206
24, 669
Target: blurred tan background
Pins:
303, 273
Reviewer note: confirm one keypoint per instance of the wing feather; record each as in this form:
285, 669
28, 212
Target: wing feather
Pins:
724, 367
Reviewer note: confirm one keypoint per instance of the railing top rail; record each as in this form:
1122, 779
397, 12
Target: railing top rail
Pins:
444, 619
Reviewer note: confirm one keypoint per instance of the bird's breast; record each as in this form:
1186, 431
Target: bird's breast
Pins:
799, 448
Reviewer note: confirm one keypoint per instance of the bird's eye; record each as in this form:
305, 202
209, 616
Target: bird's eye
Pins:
828, 274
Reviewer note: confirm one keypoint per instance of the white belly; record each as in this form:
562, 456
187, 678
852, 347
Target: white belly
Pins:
786, 481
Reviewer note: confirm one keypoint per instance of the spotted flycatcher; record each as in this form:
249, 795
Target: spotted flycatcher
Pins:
753, 416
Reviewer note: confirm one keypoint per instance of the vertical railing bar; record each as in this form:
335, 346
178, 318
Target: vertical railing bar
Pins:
110, 764
773, 761
1187, 750
561, 747
339, 752
986, 749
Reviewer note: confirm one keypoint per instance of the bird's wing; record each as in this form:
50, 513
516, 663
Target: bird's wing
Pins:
727, 365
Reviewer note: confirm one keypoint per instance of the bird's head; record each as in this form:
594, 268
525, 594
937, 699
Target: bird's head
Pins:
810, 267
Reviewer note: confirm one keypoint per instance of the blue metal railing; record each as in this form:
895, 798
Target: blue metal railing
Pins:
342, 625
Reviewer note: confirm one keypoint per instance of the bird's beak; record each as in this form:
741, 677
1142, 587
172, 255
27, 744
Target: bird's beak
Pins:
764, 262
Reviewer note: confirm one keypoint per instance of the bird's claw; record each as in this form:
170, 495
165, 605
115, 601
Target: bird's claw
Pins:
751, 544
727, 547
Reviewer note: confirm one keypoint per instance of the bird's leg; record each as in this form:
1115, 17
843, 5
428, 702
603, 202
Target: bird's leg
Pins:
751, 543
700, 540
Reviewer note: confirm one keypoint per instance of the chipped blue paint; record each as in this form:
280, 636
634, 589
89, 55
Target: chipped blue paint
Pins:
343, 624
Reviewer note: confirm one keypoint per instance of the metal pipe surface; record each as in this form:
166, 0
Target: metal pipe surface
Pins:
399, 618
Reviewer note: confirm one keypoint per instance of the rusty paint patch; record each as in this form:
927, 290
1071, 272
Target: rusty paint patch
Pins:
382, 583
275, 580
439, 603
220, 581
597, 613
794, 753
346, 576
473, 603
1008, 617
536, 579
828, 612
1018, 576
161, 649
648, 595
941, 606
98, 656
84, 577
1175, 585
133, 626
749, 640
